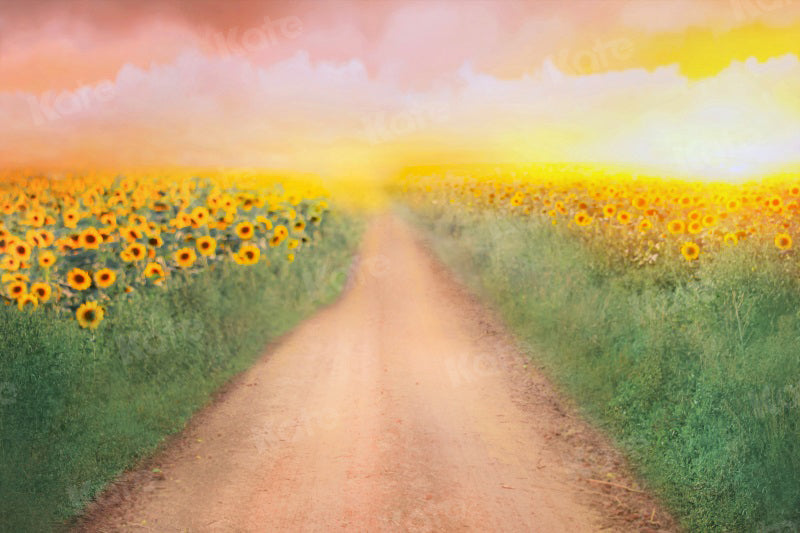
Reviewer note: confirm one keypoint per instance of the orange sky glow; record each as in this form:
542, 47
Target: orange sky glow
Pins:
357, 89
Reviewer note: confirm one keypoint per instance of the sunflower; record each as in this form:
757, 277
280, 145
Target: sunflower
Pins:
690, 251
154, 270
10, 263
275, 240
41, 290
71, 218
139, 220
185, 257
290, 258
639, 202
131, 233
109, 219
107, 234
609, 210
199, 216
105, 278
36, 219
17, 289
244, 230
46, 238
155, 241
136, 251
730, 239
267, 223
89, 315
91, 239
32, 237
79, 279
281, 231
645, 225
206, 245
28, 301
299, 225
21, 250
624, 217
695, 227
676, 227
248, 255
783, 241
582, 219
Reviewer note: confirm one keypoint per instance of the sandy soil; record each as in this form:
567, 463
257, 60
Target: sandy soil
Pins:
402, 407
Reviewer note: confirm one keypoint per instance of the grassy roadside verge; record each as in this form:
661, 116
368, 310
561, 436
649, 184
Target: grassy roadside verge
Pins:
697, 379
78, 408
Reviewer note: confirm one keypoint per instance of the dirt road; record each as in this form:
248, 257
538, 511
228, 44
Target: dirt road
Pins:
402, 407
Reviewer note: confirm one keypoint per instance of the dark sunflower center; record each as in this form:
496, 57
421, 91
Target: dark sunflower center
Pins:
79, 278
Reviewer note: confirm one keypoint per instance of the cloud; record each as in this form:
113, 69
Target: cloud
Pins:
673, 15
335, 117
60, 44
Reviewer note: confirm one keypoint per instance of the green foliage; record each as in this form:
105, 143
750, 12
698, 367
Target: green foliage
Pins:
77, 408
693, 369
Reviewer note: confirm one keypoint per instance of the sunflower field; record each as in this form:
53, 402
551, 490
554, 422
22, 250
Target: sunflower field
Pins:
78, 245
638, 220
129, 301
668, 310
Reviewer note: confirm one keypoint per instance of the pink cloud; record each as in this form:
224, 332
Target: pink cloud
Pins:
61, 44
342, 87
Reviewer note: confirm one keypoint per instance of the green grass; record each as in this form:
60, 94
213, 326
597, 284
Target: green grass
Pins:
695, 372
77, 409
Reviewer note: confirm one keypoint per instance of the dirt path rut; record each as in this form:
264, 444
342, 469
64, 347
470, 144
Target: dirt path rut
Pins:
399, 408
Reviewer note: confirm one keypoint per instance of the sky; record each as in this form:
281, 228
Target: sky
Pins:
358, 89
